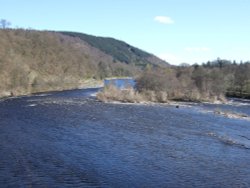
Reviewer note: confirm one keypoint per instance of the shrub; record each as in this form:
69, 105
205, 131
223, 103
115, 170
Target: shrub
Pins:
112, 93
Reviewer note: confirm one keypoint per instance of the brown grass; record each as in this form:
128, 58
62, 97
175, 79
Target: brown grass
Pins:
112, 93
130, 95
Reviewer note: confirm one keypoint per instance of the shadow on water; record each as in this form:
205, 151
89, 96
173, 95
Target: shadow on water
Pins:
68, 139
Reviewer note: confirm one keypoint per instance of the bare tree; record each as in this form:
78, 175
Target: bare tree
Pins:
4, 24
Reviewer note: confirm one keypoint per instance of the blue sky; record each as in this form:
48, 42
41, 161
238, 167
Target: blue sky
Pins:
191, 31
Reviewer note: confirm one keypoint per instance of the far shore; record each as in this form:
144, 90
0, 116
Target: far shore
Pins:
87, 84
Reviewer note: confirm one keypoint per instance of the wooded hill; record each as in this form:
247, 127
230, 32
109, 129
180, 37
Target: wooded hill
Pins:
119, 50
36, 61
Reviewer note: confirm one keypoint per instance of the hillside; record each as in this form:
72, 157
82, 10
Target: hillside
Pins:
120, 50
37, 61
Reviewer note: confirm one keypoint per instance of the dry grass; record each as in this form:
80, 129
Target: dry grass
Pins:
112, 93
130, 95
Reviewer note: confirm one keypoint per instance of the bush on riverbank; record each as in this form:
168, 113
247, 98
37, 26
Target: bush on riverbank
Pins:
112, 93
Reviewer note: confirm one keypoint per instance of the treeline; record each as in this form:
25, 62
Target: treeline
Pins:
207, 82
235, 76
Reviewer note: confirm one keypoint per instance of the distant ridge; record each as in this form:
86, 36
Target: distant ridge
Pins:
120, 50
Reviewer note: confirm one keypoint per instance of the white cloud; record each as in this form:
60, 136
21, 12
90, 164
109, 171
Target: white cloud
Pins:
197, 49
164, 19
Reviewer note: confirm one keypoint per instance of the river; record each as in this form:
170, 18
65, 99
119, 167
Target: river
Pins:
69, 139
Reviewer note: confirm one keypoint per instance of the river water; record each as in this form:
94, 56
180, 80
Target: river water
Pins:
69, 139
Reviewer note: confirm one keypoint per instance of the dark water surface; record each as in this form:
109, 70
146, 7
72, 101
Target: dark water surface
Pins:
68, 139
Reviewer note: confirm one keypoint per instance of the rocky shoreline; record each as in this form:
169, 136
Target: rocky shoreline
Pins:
180, 104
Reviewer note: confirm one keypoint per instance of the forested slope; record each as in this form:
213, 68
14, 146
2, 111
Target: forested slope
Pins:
120, 51
35, 61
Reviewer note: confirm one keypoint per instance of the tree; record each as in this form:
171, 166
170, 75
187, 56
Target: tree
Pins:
4, 24
104, 69
242, 77
200, 78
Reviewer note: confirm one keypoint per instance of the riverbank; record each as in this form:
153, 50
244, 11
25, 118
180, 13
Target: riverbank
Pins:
178, 105
241, 95
82, 84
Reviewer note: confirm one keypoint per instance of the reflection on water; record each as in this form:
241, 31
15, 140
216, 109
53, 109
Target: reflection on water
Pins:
68, 139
